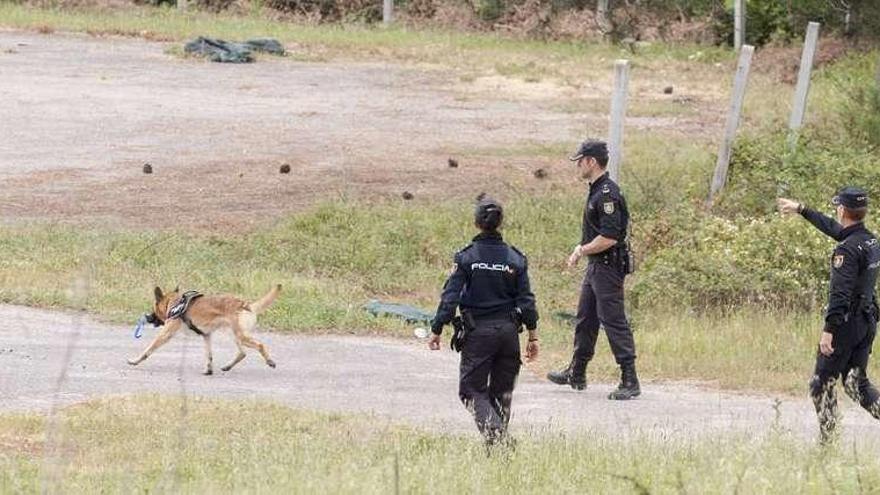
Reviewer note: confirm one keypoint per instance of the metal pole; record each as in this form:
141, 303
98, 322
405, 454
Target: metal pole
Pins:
803, 84
387, 12
739, 23
618, 115
736, 102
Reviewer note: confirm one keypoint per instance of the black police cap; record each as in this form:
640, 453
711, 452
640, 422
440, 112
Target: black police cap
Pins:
593, 148
851, 197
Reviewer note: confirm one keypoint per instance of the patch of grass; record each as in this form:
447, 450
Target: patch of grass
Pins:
143, 445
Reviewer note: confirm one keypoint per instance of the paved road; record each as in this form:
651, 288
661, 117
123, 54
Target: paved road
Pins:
396, 381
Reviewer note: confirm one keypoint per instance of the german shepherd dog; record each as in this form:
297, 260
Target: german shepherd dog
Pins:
205, 315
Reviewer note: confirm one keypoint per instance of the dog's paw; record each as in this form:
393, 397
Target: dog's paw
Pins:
270, 363
208, 372
226, 368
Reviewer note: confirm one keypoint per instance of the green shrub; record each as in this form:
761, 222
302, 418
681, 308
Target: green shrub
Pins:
743, 252
725, 263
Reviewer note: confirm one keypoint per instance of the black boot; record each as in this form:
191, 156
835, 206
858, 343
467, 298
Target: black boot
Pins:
575, 375
629, 384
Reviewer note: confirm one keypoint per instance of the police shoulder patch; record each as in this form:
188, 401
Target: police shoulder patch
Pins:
837, 262
608, 207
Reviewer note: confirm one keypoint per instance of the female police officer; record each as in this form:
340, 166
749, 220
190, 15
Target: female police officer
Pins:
489, 284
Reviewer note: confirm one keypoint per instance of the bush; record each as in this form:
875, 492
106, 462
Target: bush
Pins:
725, 263
743, 252
762, 169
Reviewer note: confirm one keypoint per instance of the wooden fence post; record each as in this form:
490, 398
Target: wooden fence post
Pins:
736, 103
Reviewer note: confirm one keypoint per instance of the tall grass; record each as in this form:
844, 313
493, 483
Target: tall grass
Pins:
145, 445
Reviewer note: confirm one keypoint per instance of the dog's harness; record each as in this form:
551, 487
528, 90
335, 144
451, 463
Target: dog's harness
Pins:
181, 306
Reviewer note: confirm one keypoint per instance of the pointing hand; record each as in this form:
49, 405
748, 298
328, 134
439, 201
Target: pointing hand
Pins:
787, 206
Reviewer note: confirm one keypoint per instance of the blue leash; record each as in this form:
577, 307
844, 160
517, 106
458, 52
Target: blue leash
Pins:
139, 327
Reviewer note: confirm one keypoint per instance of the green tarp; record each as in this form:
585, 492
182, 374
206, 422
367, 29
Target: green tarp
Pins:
409, 313
236, 53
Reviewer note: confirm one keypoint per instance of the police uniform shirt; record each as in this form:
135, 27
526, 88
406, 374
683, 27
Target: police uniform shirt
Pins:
489, 278
854, 268
605, 213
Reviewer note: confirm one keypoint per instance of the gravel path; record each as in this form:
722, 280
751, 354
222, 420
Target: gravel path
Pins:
395, 380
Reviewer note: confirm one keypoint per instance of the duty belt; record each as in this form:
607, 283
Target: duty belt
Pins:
505, 314
608, 257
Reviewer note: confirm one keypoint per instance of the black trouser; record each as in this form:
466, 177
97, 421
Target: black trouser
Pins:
490, 363
602, 303
849, 361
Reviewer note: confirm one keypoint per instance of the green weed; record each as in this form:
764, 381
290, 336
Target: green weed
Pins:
144, 444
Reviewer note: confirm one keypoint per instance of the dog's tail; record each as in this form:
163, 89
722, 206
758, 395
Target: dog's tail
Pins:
264, 302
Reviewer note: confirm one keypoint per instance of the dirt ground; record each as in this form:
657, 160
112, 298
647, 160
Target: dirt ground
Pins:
396, 381
80, 116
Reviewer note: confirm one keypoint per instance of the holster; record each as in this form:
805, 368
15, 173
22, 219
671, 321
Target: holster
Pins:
462, 325
863, 306
618, 257
869, 308
516, 318
628, 261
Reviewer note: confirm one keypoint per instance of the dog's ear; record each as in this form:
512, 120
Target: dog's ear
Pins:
158, 292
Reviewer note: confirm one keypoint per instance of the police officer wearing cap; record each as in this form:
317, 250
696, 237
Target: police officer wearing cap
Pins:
851, 316
604, 243
489, 285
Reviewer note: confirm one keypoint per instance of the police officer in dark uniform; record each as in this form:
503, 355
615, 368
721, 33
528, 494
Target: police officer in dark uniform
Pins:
604, 243
489, 284
851, 316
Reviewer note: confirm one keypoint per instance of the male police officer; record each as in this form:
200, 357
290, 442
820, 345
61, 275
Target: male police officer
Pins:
603, 241
490, 285
851, 316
